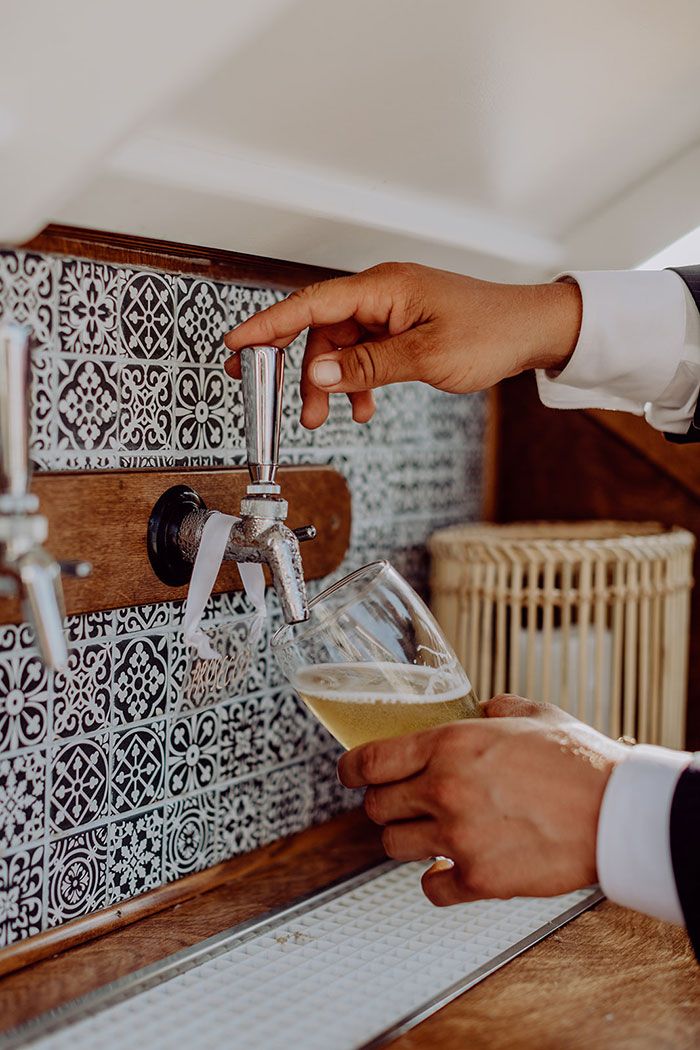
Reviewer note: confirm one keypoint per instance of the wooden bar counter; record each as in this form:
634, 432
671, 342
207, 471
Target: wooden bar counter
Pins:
611, 978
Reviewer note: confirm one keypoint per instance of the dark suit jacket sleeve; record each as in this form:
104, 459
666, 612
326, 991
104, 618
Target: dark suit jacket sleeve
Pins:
691, 276
685, 847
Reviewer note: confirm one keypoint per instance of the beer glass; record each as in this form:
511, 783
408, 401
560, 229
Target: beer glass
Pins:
371, 661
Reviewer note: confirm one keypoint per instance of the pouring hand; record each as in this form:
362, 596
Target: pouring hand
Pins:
399, 322
512, 799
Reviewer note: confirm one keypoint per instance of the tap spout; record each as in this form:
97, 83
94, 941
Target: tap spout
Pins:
42, 604
274, 544
284, 559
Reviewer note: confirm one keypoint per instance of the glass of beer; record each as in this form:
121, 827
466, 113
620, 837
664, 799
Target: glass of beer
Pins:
371, 661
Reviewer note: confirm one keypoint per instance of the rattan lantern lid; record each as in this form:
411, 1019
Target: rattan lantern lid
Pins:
605, 539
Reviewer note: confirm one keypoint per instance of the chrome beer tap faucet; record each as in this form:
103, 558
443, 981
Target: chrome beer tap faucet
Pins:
25, 566
178, 518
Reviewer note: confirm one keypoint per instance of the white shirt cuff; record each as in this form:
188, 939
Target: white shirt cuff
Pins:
630, 344
633, 846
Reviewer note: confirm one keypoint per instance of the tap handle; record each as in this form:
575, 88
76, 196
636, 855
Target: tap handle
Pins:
262, 370
14, 411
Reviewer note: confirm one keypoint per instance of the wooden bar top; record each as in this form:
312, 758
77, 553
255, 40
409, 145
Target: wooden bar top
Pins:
611, 978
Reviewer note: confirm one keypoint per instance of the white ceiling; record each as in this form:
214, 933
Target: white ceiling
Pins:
504, 137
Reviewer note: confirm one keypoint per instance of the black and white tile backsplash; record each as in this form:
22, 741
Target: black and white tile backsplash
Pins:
108, 786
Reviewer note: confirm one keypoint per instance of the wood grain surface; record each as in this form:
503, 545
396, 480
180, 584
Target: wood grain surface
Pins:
610, 979
102, 517
564, 465
219, 265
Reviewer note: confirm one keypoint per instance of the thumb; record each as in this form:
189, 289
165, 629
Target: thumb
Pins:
366, 366
443, 884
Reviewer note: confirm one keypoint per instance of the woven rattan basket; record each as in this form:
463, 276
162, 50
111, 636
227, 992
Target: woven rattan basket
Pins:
592, 616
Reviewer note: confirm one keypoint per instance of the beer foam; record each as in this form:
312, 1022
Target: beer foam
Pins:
365, 683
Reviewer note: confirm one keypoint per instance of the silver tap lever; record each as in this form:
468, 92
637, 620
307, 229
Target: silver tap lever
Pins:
24, 563
262, 372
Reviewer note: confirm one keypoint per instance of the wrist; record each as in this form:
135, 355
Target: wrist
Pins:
557, 310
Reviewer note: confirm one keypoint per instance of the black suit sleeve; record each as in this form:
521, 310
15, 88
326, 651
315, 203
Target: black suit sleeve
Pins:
691, 276
685, 848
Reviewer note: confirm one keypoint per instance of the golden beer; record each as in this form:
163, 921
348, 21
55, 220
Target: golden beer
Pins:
358, 702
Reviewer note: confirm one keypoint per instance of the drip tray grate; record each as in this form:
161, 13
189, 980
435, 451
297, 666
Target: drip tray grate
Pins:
349, 967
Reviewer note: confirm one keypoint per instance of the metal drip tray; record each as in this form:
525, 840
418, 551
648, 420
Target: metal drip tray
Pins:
347, 968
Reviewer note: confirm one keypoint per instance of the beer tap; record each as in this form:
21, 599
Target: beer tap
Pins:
260, 535
26, 568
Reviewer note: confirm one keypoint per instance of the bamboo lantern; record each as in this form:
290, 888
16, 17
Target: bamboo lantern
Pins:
592, 616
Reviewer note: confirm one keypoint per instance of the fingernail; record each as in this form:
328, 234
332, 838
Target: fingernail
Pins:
326, 373
442, 864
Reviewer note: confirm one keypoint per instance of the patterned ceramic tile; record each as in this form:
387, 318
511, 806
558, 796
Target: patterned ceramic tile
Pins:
202, 320
211, 459
88, 401
15, 636
82, 692
88, 298
146, 415
179, 662
43, 434
193, 754
79, 783
21, 889
28, 294
190, 829
138, 767
89, 626
369, 476
142, 618
22, 791
241, 807
289, 726
135, 855
289, 801
78, 875
244, 302
234, 424
220, 607
140, 677
200, 408
244, 736
147, 316
84, 460
139, 460
23, 701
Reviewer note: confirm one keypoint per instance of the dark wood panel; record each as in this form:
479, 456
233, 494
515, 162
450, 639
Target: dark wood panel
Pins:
565, 465
102, 517
217, 264
680, 462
